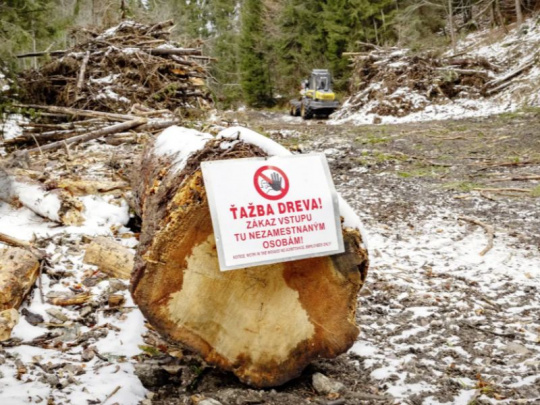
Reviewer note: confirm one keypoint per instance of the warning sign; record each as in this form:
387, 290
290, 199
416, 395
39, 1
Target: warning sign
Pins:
268, 210
271, 182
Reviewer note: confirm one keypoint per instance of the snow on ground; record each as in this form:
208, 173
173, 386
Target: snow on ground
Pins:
440, 323
10, 125
441, 285
68, 376
115, 335
454, 109
509, 52
76, 355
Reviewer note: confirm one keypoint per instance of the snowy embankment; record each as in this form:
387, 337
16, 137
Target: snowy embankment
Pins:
515, 82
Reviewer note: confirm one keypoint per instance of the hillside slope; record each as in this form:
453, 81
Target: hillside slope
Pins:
490, 72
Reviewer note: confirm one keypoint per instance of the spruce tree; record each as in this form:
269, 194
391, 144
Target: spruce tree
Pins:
25, 23
222, 43
255, 78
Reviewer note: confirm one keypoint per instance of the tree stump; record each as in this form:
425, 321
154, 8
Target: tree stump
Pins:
18, 271
263, 323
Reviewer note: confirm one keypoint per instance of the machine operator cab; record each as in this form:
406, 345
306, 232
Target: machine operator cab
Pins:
319, 85
317, 99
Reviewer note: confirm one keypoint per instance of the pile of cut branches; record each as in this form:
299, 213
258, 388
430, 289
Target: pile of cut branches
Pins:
125, 65
392, 81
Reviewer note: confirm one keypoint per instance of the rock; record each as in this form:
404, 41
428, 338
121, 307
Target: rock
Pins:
58, 314
74, 369
32, 318
117, 285
68, 334
51, 379
151, 374
87, 354
517, 348
324, 385
8, 319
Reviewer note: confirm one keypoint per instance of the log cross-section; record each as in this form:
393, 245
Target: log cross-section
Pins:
263, 323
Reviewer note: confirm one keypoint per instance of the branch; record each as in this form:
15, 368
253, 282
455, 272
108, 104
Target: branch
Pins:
75, 112
11, 241
89, 136
488, 228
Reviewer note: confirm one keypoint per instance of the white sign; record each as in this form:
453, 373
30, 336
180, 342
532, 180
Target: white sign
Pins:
269, 210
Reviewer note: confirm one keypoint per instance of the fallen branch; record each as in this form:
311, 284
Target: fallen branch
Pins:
110, 257
516, 178
77, 299
88, 137
503, 190
44, 53
495, 83
76, 112
488, 228
11, 241
174, 51
82, 73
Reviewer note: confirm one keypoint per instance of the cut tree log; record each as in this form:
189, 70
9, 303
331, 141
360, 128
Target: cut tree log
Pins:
74, 112
57, 205
263, 323
98, 133
111, 257
18, 271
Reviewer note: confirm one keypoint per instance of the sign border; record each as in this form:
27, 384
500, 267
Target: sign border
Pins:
217, 230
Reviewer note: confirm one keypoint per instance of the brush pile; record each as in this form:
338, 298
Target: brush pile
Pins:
117, 84
125, 65
390, 81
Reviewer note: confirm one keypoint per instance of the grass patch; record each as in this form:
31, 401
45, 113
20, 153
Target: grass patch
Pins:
373, 139
430, 171
520, 113
463, 186
535, 192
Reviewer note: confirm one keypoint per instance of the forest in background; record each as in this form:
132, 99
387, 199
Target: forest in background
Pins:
263, 47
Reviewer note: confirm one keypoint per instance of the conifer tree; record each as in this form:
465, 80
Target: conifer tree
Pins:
222, 43
24, 23
255, 78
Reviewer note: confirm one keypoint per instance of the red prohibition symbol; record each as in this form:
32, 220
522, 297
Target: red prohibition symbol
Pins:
271, 182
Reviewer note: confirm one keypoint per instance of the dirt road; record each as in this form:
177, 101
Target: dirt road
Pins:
451, 309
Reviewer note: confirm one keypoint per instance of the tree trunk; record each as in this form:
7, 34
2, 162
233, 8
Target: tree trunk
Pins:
264, 323
519, 13
451, 25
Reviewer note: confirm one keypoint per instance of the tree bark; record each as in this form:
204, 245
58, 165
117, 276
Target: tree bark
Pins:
451, 25
110, 257
56, 205
519, 12
98, 133
263, 323
18, 271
